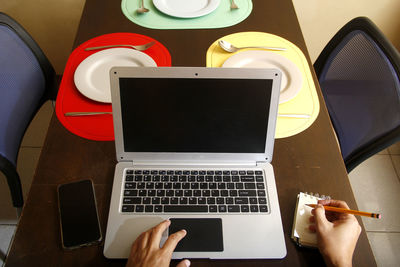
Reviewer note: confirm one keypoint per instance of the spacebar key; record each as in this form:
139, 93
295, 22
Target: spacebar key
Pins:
185, 208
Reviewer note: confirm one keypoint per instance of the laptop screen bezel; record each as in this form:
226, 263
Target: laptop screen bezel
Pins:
194, 73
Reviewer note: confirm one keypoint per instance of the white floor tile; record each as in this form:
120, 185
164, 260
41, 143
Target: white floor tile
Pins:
396, 163
386, 248
377, 189
394, 149
6, 235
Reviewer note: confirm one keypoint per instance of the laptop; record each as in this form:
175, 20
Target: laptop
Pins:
194, 145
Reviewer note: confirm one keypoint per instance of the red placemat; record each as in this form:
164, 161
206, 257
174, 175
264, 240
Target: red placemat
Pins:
69, 99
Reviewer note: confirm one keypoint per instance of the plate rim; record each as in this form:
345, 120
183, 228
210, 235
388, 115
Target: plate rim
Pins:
160, 7
285, 94
80, 73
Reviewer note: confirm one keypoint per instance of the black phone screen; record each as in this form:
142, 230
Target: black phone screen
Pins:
78, 214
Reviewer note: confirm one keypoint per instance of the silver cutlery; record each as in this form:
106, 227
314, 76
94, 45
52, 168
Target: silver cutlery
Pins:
142, 9
298, 116
233, 5
228, 47
84, 113
136, 47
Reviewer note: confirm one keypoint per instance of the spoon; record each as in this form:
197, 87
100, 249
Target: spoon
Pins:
142, 9
233, 5
228, 47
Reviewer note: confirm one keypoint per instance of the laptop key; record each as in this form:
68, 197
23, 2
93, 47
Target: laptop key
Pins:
253, 200
148, 208
241, 200
262, 201
146, 200
259, 179
232, 208
128, 208
244, 208
222, 208
157, 208
129, 193
253, 208
165, 200
263, 208
247, 193
186, 208
212, 208
247, 178
250, 186
139, 208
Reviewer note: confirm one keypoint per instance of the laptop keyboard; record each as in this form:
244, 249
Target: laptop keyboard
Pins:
194, 191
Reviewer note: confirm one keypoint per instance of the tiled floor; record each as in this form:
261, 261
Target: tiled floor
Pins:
376, 183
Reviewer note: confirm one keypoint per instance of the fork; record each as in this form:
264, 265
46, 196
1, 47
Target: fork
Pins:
233, 5
136, 47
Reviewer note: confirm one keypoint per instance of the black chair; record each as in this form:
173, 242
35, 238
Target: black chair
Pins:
27, 80
358, 72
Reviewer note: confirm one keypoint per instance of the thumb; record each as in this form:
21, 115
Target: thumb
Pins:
184, 263
320, 218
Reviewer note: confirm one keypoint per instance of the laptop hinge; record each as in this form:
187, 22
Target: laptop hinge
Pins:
204, 163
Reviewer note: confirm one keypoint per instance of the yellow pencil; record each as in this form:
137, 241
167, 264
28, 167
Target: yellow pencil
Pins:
355, 212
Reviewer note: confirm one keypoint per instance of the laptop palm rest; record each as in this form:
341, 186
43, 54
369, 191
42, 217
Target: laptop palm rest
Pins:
202, 234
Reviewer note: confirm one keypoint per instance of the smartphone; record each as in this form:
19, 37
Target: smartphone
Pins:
79, 219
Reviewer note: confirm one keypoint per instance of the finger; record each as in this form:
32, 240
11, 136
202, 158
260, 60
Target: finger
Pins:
312, 219
173, 240
320, 219
184, 263
144, 240
156, 233
312, 228
334, 203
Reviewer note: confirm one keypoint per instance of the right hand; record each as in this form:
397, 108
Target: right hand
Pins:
337, 233
146, 249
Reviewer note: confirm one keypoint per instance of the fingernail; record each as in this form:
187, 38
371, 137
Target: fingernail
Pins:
187, 263
184, 231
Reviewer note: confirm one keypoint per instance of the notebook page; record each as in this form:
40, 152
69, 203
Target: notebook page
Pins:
300, 231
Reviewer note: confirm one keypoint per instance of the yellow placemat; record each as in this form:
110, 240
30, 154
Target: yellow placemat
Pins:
305, 102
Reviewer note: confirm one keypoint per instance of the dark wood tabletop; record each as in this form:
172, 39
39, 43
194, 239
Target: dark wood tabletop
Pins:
309, 161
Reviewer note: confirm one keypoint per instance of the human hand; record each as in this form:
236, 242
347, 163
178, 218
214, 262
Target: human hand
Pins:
337, 233
146, 249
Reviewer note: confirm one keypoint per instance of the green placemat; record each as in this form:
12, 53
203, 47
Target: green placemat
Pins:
223, 16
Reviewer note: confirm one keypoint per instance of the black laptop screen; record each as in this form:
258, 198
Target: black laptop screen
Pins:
195, 115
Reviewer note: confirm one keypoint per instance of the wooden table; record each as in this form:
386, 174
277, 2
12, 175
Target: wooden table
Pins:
309, 161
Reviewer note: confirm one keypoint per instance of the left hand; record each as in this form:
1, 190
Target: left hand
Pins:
146, 249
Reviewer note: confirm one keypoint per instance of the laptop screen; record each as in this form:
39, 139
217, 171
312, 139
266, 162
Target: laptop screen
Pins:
204, 115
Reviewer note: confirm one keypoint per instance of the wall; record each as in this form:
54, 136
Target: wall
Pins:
321, 19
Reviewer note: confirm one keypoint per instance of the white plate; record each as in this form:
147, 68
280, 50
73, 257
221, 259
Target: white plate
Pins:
186, 8
92, 76
291, 76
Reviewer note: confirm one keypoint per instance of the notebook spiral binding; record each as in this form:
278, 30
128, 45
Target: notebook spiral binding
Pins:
317, 195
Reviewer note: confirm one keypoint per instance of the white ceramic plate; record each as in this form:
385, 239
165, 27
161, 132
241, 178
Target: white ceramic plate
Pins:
92, 76
186, 8
291, 76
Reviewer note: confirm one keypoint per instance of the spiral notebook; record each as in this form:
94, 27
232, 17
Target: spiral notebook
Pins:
300, 232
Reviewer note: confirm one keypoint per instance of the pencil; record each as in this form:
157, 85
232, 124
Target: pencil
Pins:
355, 212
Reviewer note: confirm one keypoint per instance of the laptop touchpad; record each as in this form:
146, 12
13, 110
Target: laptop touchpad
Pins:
202, 234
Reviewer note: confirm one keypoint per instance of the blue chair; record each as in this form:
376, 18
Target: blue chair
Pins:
27, 80
358, 72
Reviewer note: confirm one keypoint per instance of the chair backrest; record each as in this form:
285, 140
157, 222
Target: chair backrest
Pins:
26, 76
358, 72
